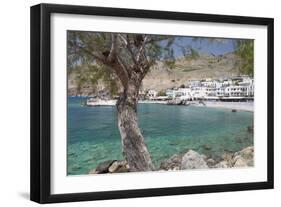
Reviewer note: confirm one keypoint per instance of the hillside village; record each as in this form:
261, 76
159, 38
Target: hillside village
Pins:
239, 88
209, 78
186, 73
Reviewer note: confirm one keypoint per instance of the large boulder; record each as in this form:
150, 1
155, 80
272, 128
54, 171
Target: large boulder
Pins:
244, 158
227, 158
211, 162
173, 163
222, 164
111, 166
119, 166
193, 160
93, 171
103, 167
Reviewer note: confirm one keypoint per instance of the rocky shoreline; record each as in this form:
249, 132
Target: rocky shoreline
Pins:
189, 160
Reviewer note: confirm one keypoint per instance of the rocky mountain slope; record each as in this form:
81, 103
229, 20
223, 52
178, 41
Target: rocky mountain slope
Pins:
162, 77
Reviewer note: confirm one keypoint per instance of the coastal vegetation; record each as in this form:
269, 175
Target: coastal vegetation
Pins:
161, 93
245, 52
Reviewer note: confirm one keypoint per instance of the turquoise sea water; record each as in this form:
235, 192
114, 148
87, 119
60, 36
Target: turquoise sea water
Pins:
93, 135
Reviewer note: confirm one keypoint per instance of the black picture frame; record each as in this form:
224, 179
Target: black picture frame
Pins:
41, 98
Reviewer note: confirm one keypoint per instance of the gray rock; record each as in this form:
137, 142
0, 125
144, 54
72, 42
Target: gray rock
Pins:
210, 162
119, 166
228, 158
114, 166
176, 168
123, 169
93, 171
193, 160
222, 164
244, 158
173, 162
103, 167
240, 162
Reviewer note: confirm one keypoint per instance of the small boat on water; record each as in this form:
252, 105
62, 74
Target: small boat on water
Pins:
100, 102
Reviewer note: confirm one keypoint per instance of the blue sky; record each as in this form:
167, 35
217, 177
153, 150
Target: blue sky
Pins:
204, 45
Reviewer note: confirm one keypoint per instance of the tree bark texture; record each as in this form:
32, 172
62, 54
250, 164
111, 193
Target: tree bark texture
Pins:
134, 147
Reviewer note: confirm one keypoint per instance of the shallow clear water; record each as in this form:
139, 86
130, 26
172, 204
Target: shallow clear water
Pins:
93, 135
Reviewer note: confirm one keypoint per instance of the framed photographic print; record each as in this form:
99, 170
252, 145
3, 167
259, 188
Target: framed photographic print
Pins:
132, 103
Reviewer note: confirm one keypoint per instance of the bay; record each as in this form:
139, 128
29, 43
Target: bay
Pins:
93, 136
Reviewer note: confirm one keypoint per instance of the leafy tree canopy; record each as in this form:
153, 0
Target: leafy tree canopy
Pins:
245, 51
89, 51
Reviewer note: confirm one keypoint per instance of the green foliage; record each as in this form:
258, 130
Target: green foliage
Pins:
161, 93
90, 75
168, 54
193, 54
245, 52
111, 82
82, 46
87, 50
171, 64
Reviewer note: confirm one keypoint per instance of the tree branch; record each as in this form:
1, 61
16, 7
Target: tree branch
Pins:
101, 59
121, 73
117, 66
128, 46
142, 47
123, 65
112, 53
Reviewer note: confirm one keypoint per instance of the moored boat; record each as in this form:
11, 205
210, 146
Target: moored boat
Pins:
100, 102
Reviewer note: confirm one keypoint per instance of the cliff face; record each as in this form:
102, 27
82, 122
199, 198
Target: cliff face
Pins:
161, 77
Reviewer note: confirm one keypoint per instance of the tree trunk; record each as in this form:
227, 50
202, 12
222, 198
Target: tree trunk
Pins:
134, 148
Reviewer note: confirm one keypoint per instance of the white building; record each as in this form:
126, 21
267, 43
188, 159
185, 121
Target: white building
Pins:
251, 90
184, 93
220, 92
239, 87
199, 92
181, 93
170, 93
151, 94
210, 83
227, 82
236, 91
194, 83
249, 83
